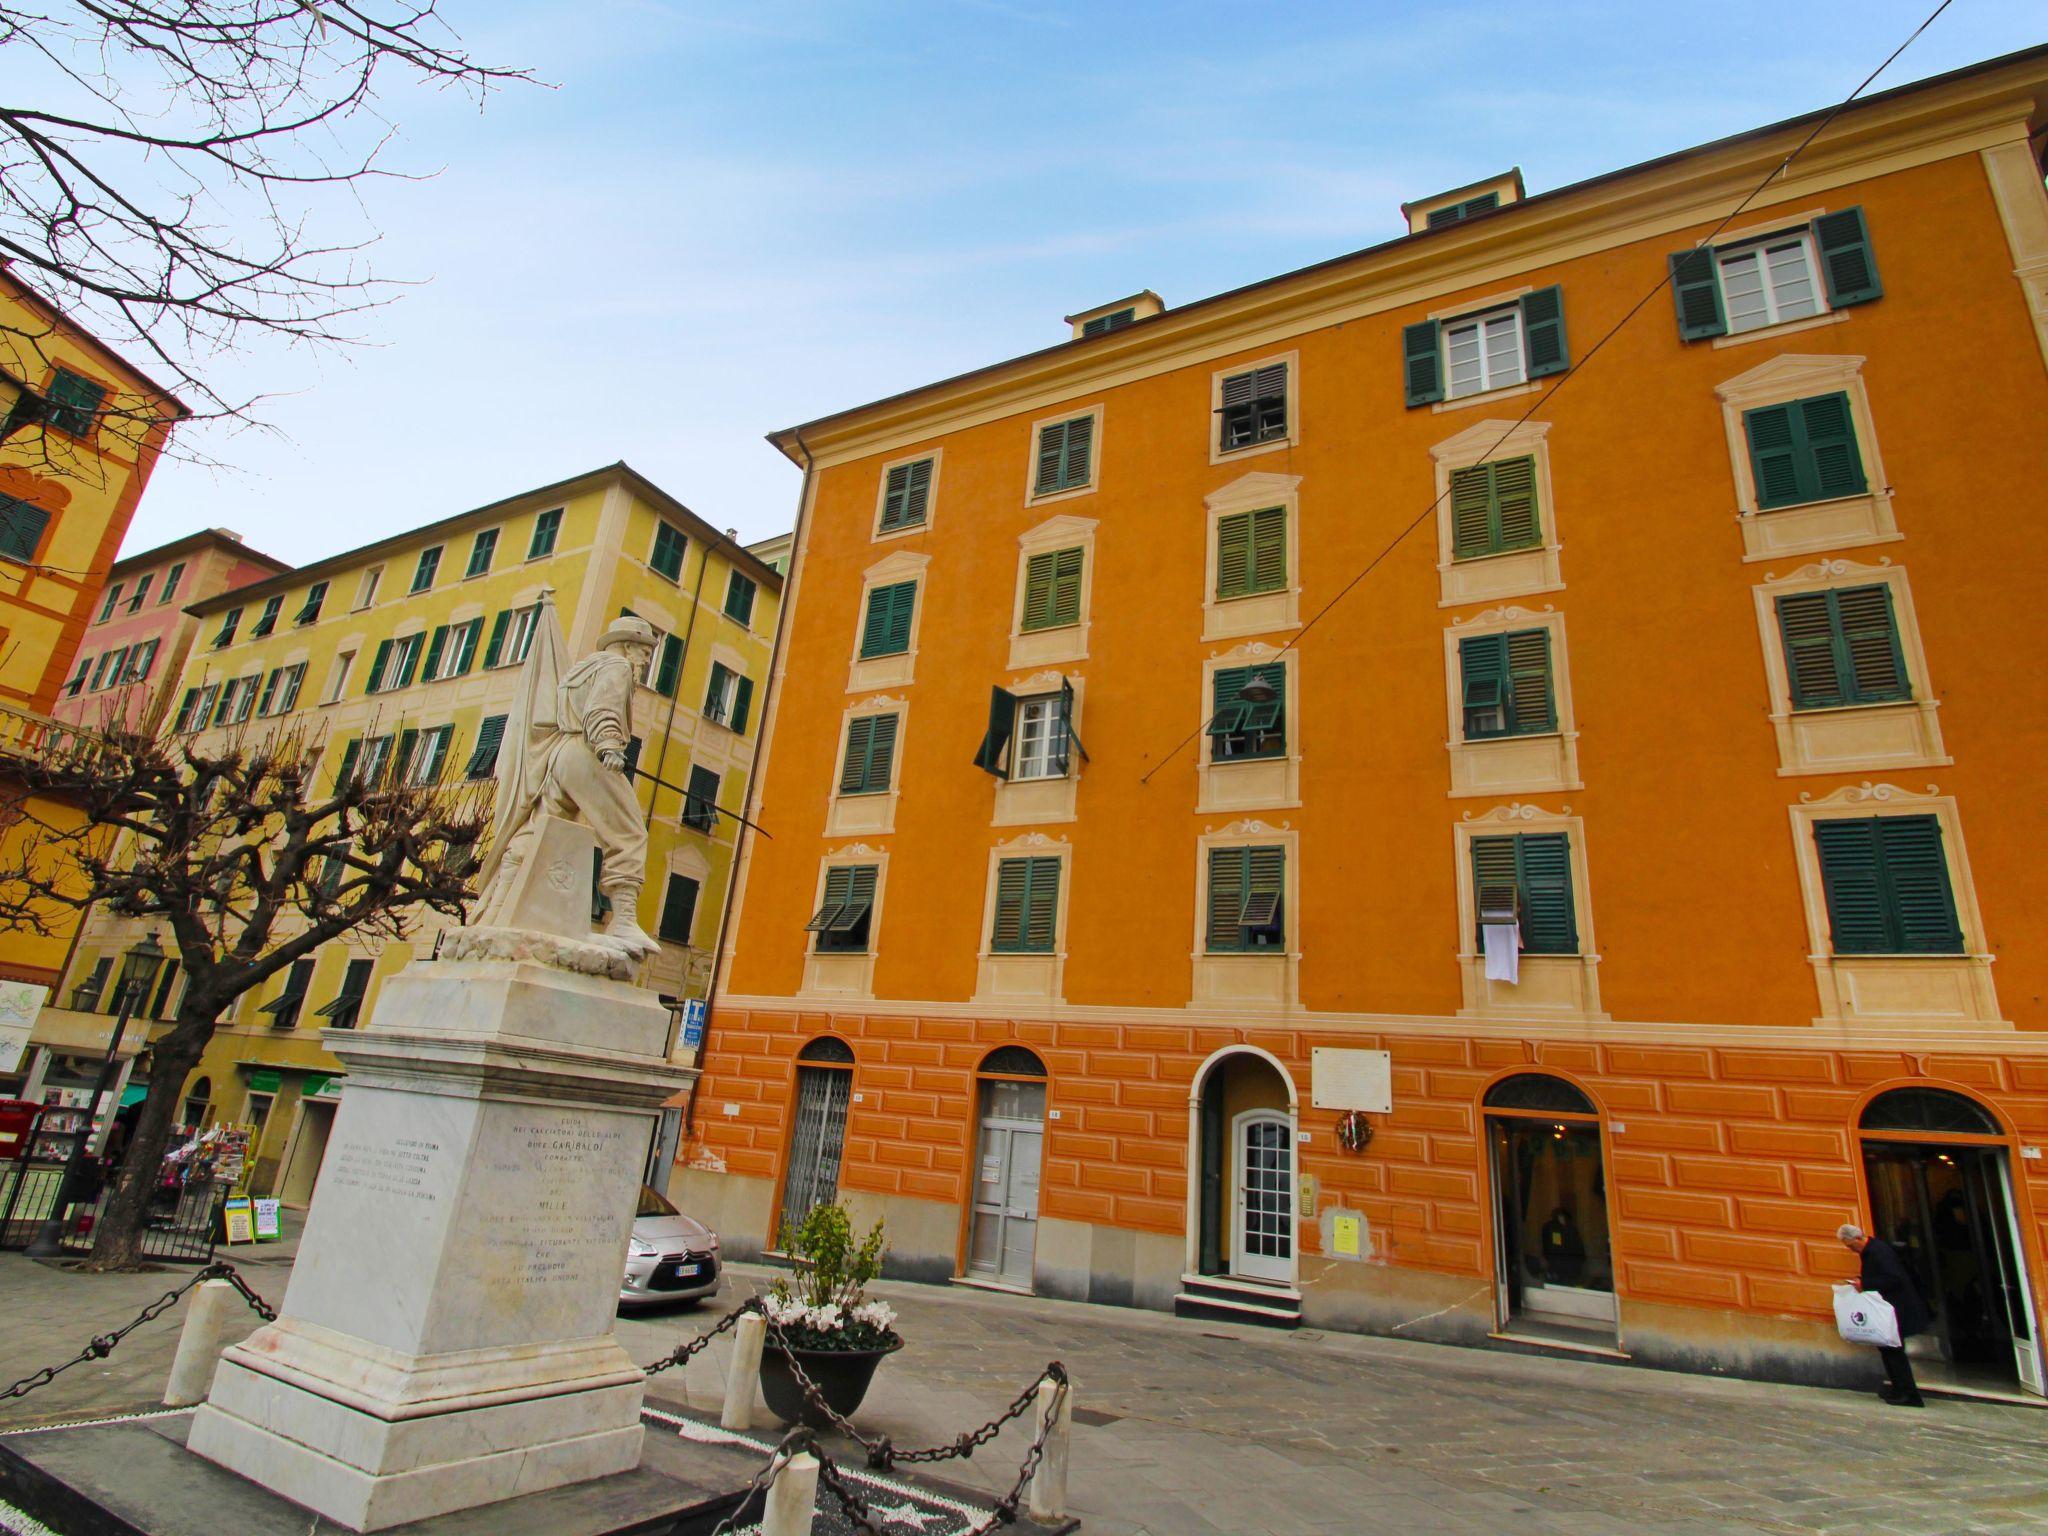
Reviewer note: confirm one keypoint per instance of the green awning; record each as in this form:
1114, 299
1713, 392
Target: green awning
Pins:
264, 1080
134, 1093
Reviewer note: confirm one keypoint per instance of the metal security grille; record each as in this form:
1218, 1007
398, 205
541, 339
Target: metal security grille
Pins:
1268, 1192
822, 1094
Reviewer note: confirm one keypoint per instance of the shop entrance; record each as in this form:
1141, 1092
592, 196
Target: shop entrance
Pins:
1003, 1240
824, 1089
308, 1149
1941, 1193
1553, 1264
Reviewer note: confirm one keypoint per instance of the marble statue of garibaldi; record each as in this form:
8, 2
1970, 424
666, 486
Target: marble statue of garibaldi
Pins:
570, 761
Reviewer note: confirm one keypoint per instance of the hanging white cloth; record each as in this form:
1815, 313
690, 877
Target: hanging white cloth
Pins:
1503, 951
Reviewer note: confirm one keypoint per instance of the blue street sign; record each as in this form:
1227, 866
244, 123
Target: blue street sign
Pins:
693, 1021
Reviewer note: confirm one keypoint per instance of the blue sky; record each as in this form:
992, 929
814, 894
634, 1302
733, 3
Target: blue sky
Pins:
728, 217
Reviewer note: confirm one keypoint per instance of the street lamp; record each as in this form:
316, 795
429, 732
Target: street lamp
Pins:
138, 970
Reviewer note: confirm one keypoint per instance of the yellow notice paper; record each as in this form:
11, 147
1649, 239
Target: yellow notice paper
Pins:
240, 1228
1344, 1235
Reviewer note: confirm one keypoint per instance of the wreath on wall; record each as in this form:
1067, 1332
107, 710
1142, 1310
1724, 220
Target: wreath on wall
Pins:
1354, 1131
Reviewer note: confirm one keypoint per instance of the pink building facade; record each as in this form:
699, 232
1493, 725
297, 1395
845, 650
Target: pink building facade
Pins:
135, 646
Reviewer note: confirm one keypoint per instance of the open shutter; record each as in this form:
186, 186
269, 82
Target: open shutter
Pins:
409, 658
497, 646
1494, 869
1002, 719
401, 768
1696, 290
1227, 872
1515, 517
742, 704
489, 736
1422, 368
1069, 738
1850, 878
1483, 680
1773, 455
269, 690
1264, 886
377, 667
1472, 511
435, 645
1916, 886
1543, 330
1847, 261
348, 762
1234, 555
1549, 924
1530, 705
1806, 623
1870, 640
860, 737
1830, 432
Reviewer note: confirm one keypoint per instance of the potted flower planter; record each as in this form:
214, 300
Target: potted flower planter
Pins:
842, 1377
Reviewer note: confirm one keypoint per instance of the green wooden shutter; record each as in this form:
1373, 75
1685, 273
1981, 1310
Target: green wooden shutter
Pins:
1002, 719
739, 598
377, 667
401, 761
1042, 906
497, 645
1066, 587
1494, 866
1916, 886
21, 529
1234, 554
406, 666
1774, 455
1052, 453
1229, 870
1080, 439
1483, 681
348, 762
1038, 574
853, 770
1850, 879
742, 705
905, 495
1422, 369
1696, 289
1830, 432
1052, 589
1264, 891
269, 690
465, 648
670, 672
1543, 332
1269, 549
1846, 258
1530, 705
1027, 906
887, 629
1876, 664
489, 735
881, 753
435, 645
714, 690
1550, 926
1472, 521
1806, 621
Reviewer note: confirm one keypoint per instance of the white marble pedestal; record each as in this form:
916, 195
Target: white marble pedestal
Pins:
446, 1337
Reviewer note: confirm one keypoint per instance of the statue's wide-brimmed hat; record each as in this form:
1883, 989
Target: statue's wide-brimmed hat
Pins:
628, 629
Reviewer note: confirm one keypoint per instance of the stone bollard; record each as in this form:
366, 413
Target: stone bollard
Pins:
1049, 1483
742, 1375
793, 1499
209, 1321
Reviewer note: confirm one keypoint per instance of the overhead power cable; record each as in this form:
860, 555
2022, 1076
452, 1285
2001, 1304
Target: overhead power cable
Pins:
1578, 367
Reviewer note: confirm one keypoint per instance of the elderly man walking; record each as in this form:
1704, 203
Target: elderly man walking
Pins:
1884, 1272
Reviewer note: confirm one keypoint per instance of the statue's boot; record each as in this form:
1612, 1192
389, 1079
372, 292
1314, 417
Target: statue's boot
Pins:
629, 936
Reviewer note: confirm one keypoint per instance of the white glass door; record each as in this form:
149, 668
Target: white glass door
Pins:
1004, 1239
2019, 1293
1263, 1241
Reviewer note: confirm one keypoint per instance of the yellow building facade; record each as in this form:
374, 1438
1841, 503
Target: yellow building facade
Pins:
407, 652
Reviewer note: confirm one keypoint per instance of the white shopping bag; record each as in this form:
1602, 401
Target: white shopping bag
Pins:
1866, 1317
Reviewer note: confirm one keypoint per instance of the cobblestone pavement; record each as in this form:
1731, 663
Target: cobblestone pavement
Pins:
1192, 1429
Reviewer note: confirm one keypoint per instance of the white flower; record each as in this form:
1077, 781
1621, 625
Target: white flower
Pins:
876, 1314
826, 1319
785, 1311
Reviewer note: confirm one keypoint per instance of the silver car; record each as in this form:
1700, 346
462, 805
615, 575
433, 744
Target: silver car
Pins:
672, 1257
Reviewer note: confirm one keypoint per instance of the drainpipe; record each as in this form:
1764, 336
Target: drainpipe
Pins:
739, 842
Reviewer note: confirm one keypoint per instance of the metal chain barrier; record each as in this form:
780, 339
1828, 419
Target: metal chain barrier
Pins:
103, 1345
798, 1440
682, 1353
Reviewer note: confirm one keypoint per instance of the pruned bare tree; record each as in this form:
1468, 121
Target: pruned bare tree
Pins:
179, 173
246, 861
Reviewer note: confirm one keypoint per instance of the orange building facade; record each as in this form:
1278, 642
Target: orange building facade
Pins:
1284, 810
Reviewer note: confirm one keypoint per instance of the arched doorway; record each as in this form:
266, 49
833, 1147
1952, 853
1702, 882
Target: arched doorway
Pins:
198, 1103
1243, 1195
1939, 1172
1010, 1137
817, 1136
1553, 1260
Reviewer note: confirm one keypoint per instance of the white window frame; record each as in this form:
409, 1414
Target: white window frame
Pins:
1760, 249
370, 760
654, 661
429, 750
519, 635
1479, 322
337, 677
395, 659
1026, 766
366, 588
718, 711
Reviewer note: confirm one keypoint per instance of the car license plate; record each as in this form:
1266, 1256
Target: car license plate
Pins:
689, 1271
